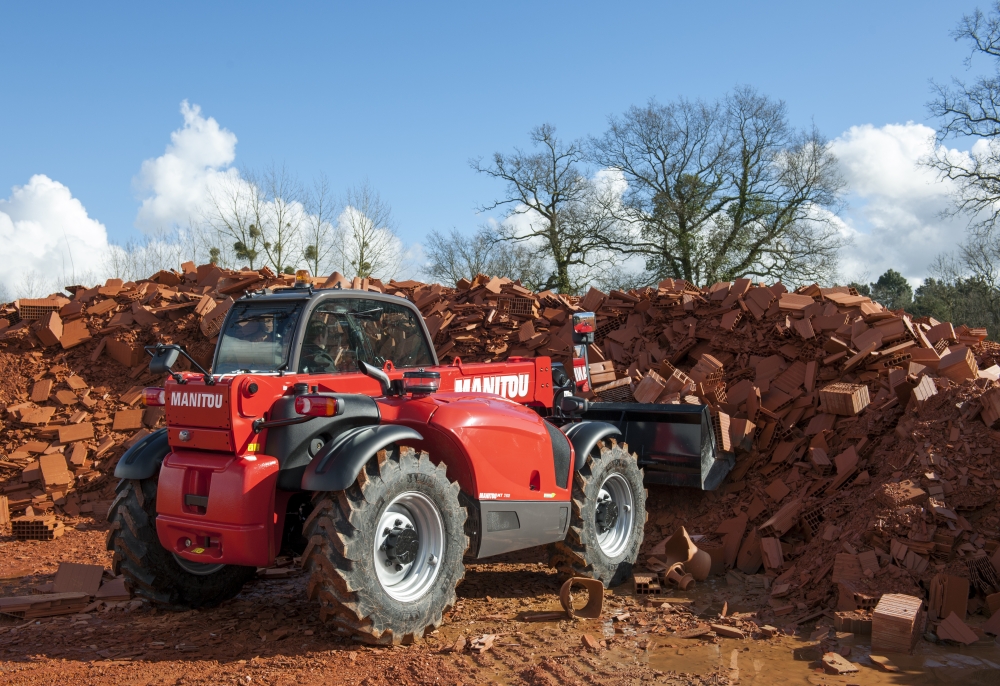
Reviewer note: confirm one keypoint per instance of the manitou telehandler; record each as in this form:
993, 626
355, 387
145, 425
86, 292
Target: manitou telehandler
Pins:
327, 429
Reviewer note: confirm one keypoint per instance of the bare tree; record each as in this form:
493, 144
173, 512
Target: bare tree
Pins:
318, 226
551, 191
455, 256
234, 212
723, 190
367, 243
280, 216
972, 110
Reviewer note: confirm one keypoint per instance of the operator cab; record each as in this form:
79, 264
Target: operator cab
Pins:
321, 332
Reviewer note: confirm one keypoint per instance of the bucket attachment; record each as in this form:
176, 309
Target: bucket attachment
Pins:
675, 444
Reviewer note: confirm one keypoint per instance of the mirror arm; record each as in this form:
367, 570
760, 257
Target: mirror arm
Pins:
154, 350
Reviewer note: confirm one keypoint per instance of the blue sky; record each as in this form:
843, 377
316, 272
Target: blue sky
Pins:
405, 93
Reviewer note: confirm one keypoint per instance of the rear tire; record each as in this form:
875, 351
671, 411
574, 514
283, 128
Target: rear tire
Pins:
153, 572
608, 516
385, 555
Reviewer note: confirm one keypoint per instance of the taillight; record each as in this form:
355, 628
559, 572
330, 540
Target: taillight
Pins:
420, 382
154, 397
316, 405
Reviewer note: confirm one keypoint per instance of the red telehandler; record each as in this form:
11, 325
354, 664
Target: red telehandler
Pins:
327, 429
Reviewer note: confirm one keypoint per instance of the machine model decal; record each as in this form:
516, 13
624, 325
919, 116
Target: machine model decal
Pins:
493, 496
508, 385
183, 399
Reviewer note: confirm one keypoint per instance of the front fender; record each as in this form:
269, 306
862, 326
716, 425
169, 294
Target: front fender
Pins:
585, 435
338, 463
143, 459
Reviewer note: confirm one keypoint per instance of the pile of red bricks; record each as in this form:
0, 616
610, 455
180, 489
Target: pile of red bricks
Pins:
864, 438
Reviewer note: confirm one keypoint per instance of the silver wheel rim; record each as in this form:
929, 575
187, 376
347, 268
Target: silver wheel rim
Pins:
197, 568
411, 581
615, 489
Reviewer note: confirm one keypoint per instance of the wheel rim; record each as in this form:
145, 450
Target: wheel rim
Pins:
614, 515
198, 568
409, 546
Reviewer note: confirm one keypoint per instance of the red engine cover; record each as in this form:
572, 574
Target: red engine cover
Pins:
495, 448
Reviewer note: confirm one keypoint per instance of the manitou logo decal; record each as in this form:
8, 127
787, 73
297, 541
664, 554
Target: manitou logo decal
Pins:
183, 399
509, 385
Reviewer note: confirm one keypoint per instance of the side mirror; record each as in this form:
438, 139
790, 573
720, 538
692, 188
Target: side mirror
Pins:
571, 404
584, 328
164, 358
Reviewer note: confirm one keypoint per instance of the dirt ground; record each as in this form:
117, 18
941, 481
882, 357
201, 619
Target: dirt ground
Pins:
271, 634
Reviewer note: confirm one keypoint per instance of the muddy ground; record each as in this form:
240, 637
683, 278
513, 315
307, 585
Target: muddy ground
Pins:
271, 634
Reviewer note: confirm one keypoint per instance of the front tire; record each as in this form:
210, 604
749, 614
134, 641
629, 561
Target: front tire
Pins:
153, 572
385, 555
608, 515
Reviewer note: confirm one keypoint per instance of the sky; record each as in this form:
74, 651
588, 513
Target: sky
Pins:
114, 114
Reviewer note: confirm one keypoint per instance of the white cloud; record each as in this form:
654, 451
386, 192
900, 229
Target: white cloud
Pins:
175, 186
896, 205
47, 236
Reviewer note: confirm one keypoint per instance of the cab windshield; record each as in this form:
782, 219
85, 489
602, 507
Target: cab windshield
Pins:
343, 332
257, 338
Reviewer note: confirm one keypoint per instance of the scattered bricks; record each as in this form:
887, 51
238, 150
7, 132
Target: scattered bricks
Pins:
616, 392
844, 398
83, 431
102, 307
44, 605
923, 390
730, 320
771, 554
941, 332
595, 597
66, 398
726, 631
75, 382
36, 528
836, 664
959, 365
783, 520
846, 569
72, 577
897, 623
590, 643
54, 471
721, 426
869, 562
708, 370
125, 353
954, 629
650, 388
948, 594
748, 560
853, 621
74, 333
211, 325
645, 584
794, 303
107, 444
127, 420
99, 349
49, 329
991, 407
33, 309
4, 511
41, 390
777, 490
78, 456
602, 372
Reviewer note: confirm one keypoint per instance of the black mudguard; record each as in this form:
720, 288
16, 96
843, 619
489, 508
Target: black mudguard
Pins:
585, 435
338, 463
143, 460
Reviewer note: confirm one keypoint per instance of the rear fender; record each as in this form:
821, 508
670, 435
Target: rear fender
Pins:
585, 435
337, 465
143, 460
